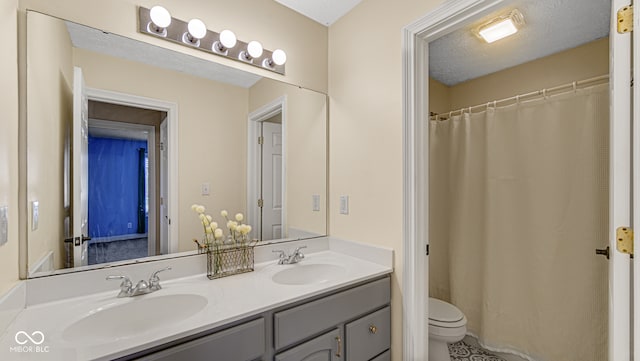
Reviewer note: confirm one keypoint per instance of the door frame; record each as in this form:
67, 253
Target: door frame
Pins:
278, 105
171, 109
444, 19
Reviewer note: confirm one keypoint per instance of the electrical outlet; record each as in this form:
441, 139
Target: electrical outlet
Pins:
316, 202
205, 189
129, 225
344, 204
4, 225
35, 214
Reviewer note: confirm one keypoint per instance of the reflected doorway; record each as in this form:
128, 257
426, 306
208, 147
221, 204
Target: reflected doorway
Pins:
266, 176
125, 182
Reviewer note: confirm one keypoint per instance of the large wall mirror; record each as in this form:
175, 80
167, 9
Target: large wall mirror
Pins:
123, 137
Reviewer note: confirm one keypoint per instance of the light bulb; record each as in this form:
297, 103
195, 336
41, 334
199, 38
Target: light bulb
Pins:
279, 57
197, 29
254, 49
228, 39
160, 16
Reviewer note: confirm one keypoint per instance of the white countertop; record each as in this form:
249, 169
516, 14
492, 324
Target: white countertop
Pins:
229, 299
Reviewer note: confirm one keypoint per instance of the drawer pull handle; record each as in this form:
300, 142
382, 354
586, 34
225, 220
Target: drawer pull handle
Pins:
373, 329
339, 341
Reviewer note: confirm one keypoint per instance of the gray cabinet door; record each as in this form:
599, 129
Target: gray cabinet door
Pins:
244, 342
327, 347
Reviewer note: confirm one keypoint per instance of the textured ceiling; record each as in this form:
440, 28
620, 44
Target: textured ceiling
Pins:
551, 26
326, 12
118, 46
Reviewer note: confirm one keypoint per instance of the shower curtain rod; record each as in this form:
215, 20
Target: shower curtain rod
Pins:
544, 92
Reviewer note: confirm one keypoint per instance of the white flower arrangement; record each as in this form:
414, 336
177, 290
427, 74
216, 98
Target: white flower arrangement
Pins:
214, 236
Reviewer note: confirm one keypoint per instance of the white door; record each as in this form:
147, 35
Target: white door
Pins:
164, 190
80, 158
620, 202
636, 167
271, 181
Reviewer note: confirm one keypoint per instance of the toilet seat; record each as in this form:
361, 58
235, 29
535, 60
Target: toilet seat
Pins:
445, 315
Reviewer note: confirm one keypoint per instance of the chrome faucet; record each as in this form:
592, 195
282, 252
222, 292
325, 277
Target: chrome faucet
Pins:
141, 288
294, 257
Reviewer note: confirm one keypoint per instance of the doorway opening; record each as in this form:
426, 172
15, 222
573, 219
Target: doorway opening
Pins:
418, 36
125, 180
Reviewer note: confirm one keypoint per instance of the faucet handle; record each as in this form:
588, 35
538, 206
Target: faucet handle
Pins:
282, 256
125, 286
298, 256
154, 280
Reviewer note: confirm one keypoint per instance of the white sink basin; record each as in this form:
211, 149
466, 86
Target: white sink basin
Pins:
305, 274
140, 314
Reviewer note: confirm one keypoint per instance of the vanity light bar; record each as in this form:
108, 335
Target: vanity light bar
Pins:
181, 32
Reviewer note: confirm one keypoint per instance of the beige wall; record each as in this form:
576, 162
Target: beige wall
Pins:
212, 126
439, 97
304, 40
365, 88
306, 153
49, 111
582, 62
9, 140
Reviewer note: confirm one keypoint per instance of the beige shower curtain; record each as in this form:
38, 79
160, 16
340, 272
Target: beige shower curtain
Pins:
518, 204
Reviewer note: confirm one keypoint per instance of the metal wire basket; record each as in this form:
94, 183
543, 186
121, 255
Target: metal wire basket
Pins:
227, 261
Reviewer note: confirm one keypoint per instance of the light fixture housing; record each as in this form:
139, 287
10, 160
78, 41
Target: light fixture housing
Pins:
254, 50
160, 20
279, 57
195, 35
501, 27
227, 41
196, 30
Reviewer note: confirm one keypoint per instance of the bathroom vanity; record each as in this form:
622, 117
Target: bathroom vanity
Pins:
334, 305
351, 324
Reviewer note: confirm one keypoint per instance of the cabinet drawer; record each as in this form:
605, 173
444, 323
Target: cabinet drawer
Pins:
369, 335
244, 342
384, 357
311, 318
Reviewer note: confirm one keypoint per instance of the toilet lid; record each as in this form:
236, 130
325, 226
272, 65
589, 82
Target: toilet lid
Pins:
441, 312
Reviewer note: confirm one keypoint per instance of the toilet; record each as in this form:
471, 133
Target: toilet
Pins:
447, 324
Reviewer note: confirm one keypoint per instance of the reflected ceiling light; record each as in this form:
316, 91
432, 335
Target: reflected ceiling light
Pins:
501, 27
196, 31
254, 50
160, 20
279, 57
227, 41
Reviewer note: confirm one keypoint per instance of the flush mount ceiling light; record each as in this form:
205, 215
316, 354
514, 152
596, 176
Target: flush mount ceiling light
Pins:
158, 22
501, 27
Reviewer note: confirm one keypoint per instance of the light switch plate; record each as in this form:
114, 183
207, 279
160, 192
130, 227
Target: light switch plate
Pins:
316, 203
4, 225
206, 189
35, 215
344, 204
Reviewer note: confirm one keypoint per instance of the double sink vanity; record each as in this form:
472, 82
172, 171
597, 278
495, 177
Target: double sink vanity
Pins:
333, 304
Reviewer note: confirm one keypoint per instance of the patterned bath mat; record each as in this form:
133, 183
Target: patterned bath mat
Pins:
460, 351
